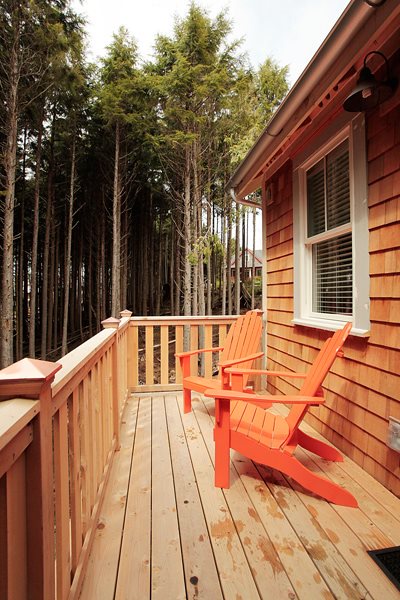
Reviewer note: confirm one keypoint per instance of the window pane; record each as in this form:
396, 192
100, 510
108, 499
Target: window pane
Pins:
316, 199
338, 186
333, 276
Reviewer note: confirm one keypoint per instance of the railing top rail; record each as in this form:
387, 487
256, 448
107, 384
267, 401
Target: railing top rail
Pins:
77, 358
185, 320
14, 415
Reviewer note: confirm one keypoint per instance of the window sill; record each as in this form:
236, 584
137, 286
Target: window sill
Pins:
329, 325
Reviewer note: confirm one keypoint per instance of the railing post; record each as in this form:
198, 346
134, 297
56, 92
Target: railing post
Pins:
112, 323
128, 366
29, 378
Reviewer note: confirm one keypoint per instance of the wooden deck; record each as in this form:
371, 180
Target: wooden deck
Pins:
166, 532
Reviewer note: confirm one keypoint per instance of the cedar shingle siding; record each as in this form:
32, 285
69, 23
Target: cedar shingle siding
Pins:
363, 388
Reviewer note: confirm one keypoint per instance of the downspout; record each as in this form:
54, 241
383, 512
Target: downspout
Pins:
264, 343
264, 278
237, 266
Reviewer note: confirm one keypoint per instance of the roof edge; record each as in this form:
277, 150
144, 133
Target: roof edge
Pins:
349, 24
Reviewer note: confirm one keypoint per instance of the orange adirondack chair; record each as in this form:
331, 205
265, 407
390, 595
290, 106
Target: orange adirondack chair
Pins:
243, 424
241, 346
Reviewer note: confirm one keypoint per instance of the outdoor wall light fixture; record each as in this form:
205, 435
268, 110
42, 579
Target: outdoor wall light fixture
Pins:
369, 92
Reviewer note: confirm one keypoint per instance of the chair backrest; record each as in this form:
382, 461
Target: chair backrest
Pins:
243, 338
317, 373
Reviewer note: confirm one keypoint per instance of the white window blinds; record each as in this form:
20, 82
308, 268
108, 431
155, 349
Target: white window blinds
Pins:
328, 207
333, 276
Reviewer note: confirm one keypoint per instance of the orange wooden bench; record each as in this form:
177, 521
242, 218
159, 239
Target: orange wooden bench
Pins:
242, 346
243, 424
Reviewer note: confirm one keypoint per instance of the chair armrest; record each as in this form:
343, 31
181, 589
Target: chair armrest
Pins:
200, 351
265, 372
237, 361
262, 399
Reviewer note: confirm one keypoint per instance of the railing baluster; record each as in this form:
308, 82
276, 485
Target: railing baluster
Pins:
16, 531
164, 355
134, 354
3, 538
222, 334
194, 344
85, 445
178, 348
208, 357
149, 353
75, 478
62, 501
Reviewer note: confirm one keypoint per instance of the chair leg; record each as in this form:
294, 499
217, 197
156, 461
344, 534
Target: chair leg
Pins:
318, 447
222, 446
289, 465
187, 400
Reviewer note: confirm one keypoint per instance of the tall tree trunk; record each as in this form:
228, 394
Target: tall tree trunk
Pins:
45, 281
196, 231
178, 270
46, 249
90, 279
116, 247
124, 257
21, 265
52, 281
148, 263
187, 238
57, 287
224, 266
229, 256
159, 292
103, 272
173, 258
10, 163
79, 303
67, 270
209, 233
98, 272
35, 241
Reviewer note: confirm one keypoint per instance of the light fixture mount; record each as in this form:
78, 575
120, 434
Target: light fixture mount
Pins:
369, 92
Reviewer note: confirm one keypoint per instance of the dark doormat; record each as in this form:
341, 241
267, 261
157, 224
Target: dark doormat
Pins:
388, 560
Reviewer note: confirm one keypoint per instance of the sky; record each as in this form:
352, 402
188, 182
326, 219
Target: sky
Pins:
290, 31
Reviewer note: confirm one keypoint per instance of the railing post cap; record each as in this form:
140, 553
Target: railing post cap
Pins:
110, 323
125, 313
29, 369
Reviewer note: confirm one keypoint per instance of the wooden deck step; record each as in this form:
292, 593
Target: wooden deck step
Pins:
166, 531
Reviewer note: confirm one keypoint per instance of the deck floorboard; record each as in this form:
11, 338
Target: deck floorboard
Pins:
166, 532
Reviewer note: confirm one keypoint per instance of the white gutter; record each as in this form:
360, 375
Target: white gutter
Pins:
352, 20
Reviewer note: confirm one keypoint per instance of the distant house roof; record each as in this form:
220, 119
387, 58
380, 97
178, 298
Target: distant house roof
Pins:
249, 258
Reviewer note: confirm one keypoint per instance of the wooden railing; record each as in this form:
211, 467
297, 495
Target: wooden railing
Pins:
155, 340
56, 449
59, 430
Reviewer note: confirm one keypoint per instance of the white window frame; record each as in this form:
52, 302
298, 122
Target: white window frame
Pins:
354, 131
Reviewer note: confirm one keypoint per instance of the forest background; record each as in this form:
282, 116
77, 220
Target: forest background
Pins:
113, 175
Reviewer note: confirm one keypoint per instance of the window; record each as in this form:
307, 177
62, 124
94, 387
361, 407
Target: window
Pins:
331, 233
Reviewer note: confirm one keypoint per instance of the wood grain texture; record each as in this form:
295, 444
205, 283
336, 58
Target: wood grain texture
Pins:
264, 538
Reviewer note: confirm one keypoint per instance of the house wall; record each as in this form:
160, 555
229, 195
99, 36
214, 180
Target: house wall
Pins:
363, 388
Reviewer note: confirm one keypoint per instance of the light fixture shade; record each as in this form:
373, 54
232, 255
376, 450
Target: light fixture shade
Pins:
369, 92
